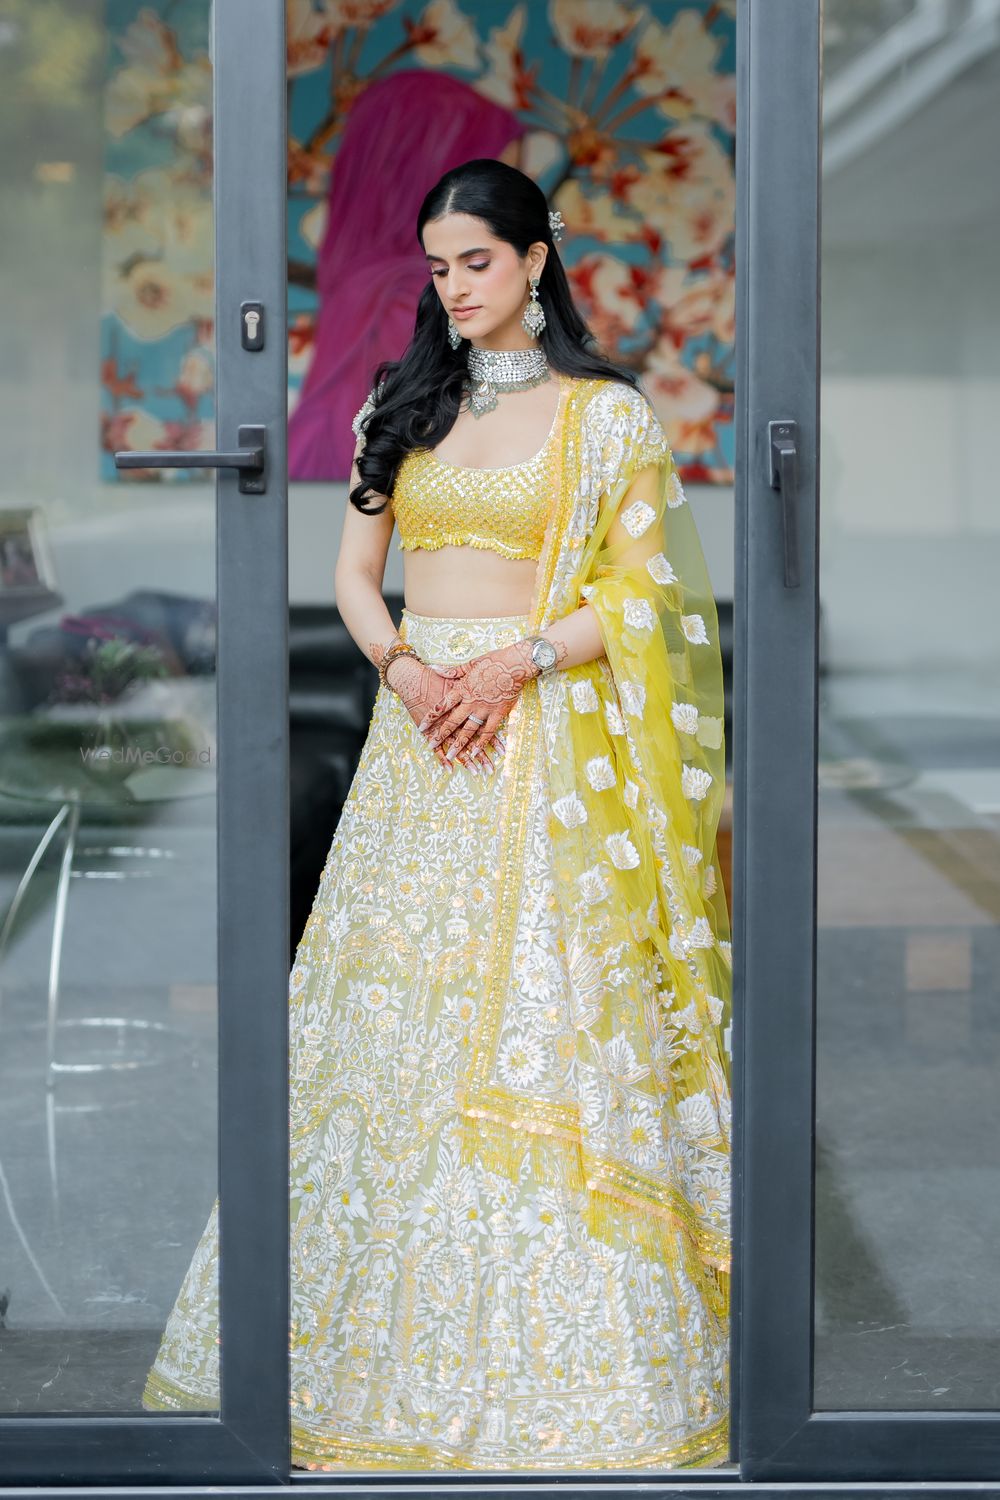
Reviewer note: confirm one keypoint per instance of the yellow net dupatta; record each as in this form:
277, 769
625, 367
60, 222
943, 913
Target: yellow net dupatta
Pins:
627, 756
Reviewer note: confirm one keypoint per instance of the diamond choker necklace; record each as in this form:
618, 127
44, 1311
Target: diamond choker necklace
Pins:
495, 370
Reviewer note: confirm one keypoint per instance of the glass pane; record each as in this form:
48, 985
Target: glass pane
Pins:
107, 697
908, 1163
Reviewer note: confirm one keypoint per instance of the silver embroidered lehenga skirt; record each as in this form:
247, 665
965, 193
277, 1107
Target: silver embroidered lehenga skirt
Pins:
442, 1315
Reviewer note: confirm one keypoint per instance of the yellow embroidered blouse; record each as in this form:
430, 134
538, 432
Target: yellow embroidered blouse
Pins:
505, 509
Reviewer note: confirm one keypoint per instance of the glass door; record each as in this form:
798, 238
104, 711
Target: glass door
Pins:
869, 704
143, 741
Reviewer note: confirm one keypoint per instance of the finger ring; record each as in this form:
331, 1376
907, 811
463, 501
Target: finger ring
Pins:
474, 719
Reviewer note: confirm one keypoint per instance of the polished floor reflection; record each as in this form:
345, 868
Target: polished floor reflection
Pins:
106, 1179
908, 1039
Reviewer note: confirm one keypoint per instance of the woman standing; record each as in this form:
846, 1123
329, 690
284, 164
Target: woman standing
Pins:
509, 1086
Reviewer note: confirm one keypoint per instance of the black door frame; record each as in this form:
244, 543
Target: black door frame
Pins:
248, 1440
783, 1444
782, 1437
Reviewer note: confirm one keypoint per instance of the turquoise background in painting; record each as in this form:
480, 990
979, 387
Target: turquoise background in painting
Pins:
152, 143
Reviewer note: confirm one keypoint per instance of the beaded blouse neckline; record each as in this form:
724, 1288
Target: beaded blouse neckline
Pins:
506, 468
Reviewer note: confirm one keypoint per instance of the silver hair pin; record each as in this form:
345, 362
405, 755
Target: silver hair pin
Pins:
556, 224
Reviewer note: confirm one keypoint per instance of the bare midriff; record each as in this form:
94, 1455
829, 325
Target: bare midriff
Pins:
467, 581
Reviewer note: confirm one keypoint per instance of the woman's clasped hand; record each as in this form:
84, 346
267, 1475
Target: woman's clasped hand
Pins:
463, 717
419, 686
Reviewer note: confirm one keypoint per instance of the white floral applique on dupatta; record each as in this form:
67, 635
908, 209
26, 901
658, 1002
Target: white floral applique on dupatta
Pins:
616, 777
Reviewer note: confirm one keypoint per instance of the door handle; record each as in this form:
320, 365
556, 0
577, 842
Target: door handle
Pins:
250, 458
783, 445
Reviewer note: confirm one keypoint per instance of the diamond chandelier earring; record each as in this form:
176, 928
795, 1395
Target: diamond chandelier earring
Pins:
533, 317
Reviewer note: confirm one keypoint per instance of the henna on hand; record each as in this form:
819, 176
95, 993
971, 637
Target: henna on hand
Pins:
495, 675
487, 687
418, 686
377, 649
499, 676
454, 736
441, 700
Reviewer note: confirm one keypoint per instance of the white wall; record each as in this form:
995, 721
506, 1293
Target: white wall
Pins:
910, 519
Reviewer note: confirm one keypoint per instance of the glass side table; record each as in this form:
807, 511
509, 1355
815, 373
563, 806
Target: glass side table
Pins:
110, 767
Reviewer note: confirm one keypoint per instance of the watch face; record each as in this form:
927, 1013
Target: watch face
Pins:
543, 654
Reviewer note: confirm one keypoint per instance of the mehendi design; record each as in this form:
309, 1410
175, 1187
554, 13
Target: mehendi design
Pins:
488, 683
500, 675
489, 686
376, 649
419, 686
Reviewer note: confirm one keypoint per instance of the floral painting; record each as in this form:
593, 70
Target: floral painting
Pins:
623, 112
158, 278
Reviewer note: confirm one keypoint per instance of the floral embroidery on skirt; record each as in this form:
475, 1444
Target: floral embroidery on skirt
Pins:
443, 1314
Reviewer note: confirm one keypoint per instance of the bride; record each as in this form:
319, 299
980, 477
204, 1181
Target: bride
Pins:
509, 1061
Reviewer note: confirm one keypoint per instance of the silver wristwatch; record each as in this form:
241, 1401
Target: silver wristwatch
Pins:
543, 653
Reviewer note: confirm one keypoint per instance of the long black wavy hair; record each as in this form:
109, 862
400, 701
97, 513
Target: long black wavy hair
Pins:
423, 390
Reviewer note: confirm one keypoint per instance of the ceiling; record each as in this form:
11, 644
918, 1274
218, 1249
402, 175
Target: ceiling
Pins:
911, 137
